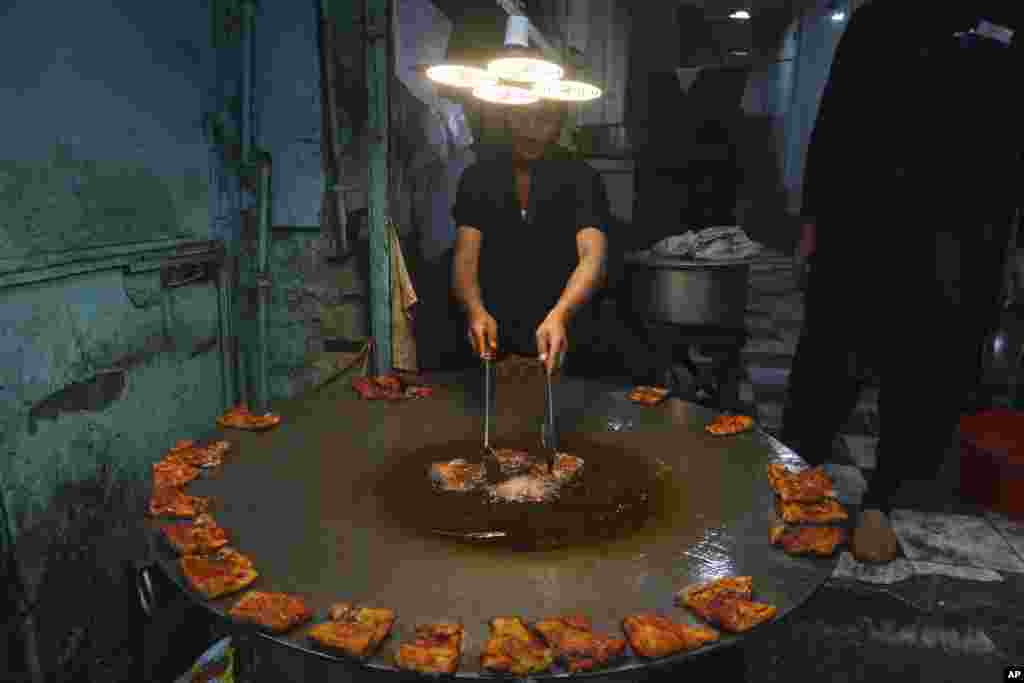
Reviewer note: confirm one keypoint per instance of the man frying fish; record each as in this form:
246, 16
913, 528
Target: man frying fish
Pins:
531, 247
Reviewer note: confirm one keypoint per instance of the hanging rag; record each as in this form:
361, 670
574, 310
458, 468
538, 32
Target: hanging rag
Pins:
403, 298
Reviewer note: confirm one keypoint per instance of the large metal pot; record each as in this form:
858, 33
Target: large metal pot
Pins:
688, 292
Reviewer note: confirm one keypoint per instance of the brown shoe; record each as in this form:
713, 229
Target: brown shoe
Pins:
873, 539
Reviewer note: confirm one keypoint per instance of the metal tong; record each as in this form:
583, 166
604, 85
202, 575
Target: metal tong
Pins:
489, 461
549, 432
488, 388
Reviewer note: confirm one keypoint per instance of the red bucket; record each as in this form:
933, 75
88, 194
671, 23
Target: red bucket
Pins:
992, 461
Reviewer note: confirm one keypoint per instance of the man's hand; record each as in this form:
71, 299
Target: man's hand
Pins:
552, 341
483, 333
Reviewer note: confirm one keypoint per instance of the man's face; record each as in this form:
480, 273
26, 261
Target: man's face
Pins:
533, 129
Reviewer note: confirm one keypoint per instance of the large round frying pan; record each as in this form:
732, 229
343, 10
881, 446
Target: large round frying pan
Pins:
305, 502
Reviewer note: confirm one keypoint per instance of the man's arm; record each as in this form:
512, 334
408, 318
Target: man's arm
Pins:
589, 276
483, 329
466, 269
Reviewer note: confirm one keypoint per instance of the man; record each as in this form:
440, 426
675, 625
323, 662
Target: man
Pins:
531, 247
910, 181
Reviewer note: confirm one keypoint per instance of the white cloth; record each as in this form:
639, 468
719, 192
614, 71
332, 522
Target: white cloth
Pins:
718, 243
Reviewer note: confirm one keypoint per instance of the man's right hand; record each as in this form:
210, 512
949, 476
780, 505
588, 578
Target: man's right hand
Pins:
483, 334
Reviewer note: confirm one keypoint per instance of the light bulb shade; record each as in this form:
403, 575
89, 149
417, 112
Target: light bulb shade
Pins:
566, 91
458, 76
499, 93
522, 69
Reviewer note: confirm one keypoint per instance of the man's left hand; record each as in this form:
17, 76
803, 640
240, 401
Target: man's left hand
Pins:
552, 341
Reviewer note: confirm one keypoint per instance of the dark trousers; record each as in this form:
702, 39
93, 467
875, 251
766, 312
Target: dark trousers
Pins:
906, 319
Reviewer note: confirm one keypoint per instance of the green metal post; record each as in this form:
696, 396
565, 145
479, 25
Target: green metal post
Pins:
263, 284
377, 75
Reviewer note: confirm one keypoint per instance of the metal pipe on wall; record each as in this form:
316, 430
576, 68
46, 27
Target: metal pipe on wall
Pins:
377, 26
227, 343
263, 283
335, 190
249, 21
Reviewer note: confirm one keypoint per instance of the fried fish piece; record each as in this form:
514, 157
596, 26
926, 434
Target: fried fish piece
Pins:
171, 501
219, 573
512, 462
825, 511
239, 417
809, 540
356, 631
575, 642
725, 425
195, 537
726, 603
435, 649
526, 488
702, 593
276, 612
653, 635
805, 486
458, 475
193, 455
734, 614
568, 468
648, 396
513, 649
173, 473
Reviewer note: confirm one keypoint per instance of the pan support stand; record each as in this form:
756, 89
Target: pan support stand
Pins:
716, 386
245, 656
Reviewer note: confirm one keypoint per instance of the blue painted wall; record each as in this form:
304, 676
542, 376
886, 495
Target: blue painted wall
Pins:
287, 102
103, 103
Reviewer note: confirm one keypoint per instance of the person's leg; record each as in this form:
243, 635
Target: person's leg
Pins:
823, 382
919, 402
924, 366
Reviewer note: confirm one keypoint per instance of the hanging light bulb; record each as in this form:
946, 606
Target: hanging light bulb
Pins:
457, 76
740, 15
502, 93
519, 63
566, 91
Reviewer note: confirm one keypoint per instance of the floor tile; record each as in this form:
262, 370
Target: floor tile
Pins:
850, 569
1012, 531
965, 640
954, 572
861, 450
850, 483
954, 539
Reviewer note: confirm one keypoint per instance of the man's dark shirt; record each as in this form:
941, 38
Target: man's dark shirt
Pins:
525, 263
918, 129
